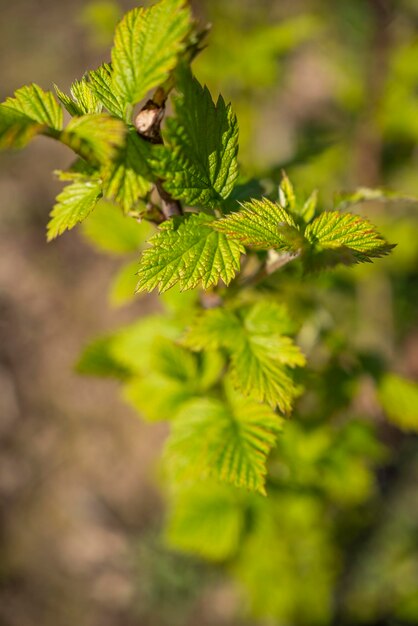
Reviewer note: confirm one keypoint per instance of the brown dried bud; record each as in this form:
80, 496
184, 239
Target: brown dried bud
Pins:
148, 120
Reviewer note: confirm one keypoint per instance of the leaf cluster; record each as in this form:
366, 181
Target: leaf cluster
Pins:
221, 363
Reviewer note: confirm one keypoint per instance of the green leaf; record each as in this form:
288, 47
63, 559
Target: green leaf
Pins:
83, 100
157, 397
95, 137
133, 346
206, 521
229, 441
17, 130
111, 231
399, 399
213, 329
70, 105
258, 369
148, 42
36, 105
324, 241
101, 84
343, 238
97, 360
78, 170
287, 196
73, 205
174, 377
262, 224
30, 112
309, 208
260, 354
187, 251
290, 540
199, 162
171, 381
127, 178
123, 285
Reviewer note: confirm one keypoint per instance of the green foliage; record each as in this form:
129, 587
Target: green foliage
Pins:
388, 561
254, 65
199, 164
323, 241
262, 224
83, 100
290, 542
133, 346
260, 353
351, 239
207, 521
147, 46
16, 129
223, 361
228, 440
37, 106
128, 177
30, 112
173, 377
122, 288
98, 360
109, 230
399, 399
101, 84
95, 137
187, 252
74, 203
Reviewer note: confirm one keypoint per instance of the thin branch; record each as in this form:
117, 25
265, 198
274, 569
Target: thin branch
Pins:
149, 119
148, 126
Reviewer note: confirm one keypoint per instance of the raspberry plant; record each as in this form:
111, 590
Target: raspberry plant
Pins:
221, 362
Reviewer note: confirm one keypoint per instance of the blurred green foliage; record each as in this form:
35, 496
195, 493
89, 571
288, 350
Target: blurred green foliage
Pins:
329, 91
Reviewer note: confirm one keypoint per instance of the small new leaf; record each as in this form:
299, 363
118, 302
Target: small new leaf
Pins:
229, 441
263, 225
309, 208
83, 100
287, 196
199, 162
147, 44
187, 251
343, 238
73, 205
101, 84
